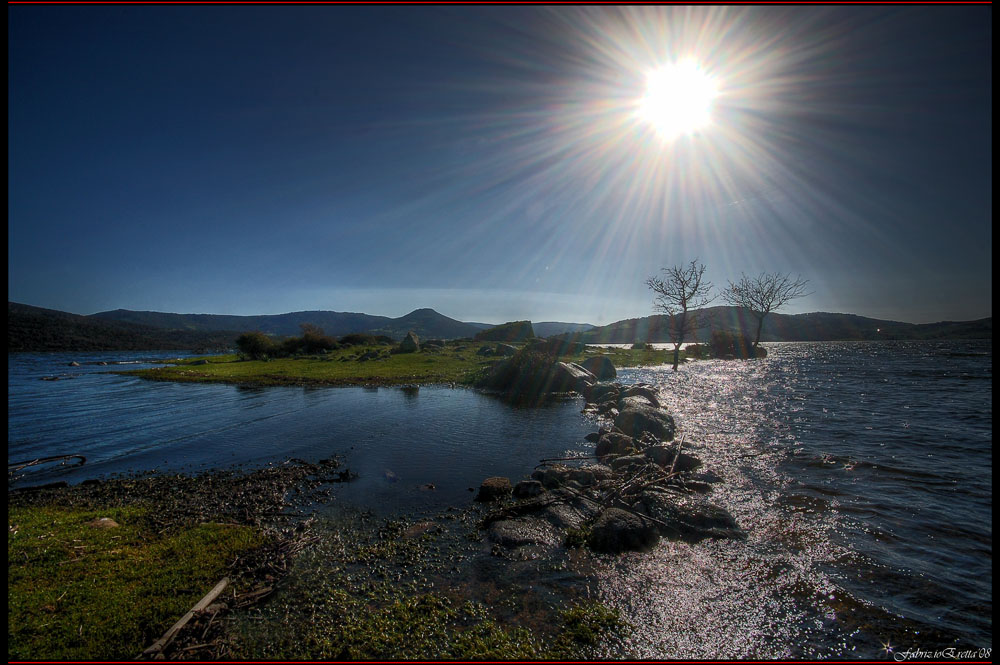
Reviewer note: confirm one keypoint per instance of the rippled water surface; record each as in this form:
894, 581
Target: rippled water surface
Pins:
862, 473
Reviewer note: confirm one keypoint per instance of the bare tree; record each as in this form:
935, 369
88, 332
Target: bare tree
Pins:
763, 294
679, 293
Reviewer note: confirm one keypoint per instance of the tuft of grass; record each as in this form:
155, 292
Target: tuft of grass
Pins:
78, 592
587, 623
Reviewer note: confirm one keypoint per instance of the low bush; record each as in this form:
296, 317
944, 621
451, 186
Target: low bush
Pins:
725, 344
257, 346
364, 339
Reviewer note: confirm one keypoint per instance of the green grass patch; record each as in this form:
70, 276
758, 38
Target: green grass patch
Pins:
454, 363
78, 592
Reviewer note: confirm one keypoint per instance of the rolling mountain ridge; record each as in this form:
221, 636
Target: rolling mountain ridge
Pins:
32, 328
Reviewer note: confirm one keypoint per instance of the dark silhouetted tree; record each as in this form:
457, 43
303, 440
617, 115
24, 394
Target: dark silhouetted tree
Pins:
679, 293
763, 294
314, 340
256, 346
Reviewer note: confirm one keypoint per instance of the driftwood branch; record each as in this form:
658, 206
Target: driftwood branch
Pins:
159, 645
677, 454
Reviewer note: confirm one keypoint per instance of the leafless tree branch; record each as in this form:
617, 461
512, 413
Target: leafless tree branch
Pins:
679, 293
763, 294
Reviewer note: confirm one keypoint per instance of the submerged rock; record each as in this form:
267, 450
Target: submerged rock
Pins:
522, 531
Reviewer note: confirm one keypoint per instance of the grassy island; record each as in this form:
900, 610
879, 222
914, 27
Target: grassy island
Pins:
452, 362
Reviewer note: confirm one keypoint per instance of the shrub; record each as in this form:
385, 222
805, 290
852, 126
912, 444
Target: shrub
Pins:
725, 344
314, 340
364, 339
257, 346
696, 351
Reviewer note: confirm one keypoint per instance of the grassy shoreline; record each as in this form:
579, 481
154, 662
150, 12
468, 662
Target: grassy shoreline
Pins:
351, 591
455, 363
344, 586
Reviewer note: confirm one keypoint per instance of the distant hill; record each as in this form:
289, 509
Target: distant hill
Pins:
333, 323
550, 328
38, 329
425, 322
817, 326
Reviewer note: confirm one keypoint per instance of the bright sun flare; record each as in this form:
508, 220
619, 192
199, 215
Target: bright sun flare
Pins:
678, 98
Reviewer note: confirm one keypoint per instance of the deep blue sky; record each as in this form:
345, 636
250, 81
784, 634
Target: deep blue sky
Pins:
486, 161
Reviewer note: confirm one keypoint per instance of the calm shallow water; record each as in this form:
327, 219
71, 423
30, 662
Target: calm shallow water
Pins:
397, 441
862, 473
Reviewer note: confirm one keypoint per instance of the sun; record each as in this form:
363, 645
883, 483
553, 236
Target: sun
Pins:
678, 98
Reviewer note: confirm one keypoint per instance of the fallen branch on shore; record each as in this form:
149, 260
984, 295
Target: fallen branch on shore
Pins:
159, 645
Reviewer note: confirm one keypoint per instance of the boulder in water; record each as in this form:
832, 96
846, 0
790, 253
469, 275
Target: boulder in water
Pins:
634, 420
617, 530
494, 489
601, 367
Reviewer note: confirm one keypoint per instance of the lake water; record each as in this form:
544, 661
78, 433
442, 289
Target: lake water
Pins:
862, 473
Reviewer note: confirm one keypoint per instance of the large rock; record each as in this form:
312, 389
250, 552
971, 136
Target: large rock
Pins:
689, 517
530, 376
614, 443
601, 367
626, 462
664, 456
635, 420
410, 343
645, 392
527, 489
505, 349
602, 392
616, 530
571, 510
570, 376
494, 489
558, 475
